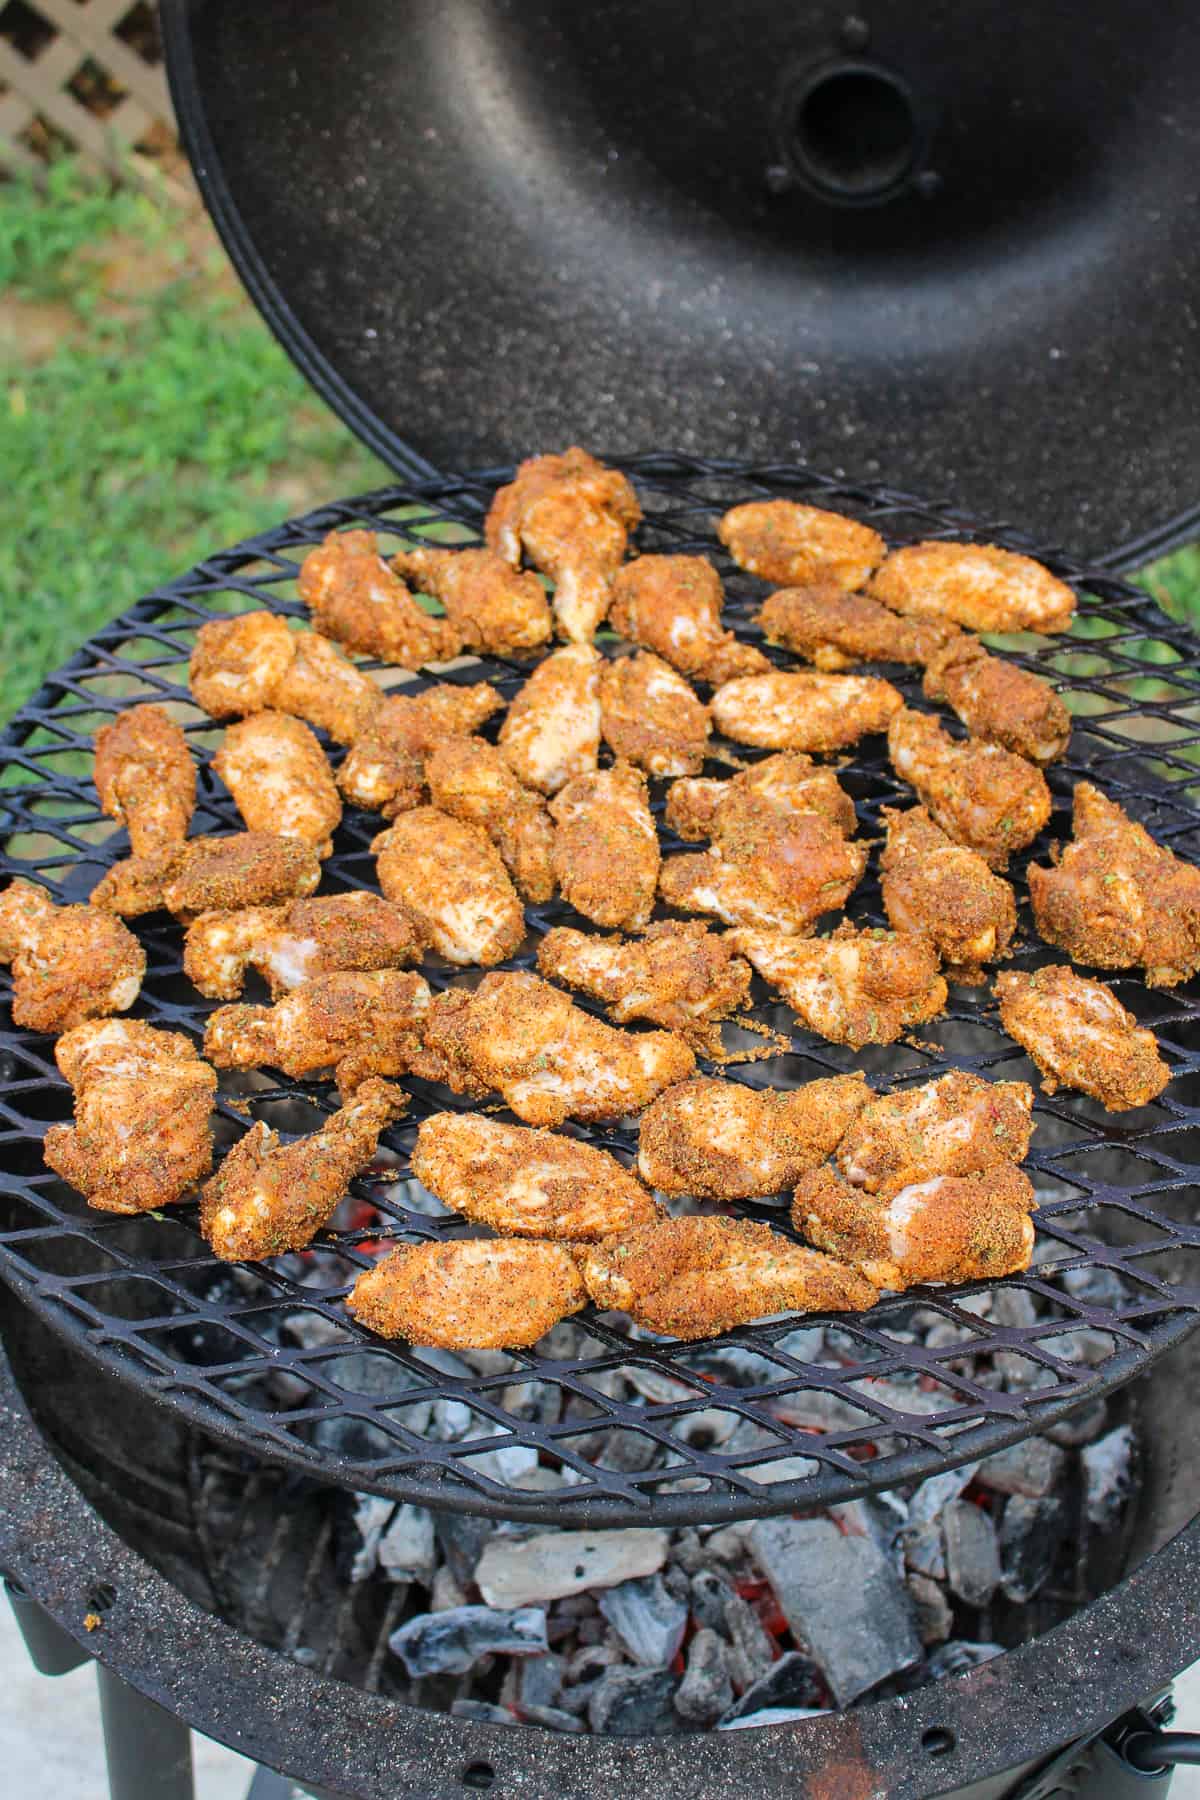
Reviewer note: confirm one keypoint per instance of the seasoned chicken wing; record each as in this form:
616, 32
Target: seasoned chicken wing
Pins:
520, 1037
1117, 899
527, 1183
449, 878
492, 606
552, 730
931, 884
145, 778
683, 977
980, 795
572, 518
278, 774
956, 1125
855, 987
976, 585
804, 710
1080, 1036
998, 701
650, 716
385, 768
358, 1024
606, 854
269, 1197
672, 605
950, 1228
327, 935
143, 1104
69, 963
788, 783
691, 1278
773, 871
249, 868
834, 630
800, 546
474, 1294
253, 663
721, 1140
470, 779
357, 599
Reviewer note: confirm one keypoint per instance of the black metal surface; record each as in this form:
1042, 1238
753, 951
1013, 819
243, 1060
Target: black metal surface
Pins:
146, 1299
953, 243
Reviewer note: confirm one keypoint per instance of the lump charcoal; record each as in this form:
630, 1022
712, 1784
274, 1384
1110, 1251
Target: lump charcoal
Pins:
552, 1564
972, 1555
752, 1648
648, 1621
1107, 1476
706, 1690
450, 1643
935, 1621
634, 1703
1035, 1467
958, 1655
794, 1680
1031, 1536
710, 1591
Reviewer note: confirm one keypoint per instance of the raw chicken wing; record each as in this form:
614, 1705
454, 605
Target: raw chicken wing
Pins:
956, 1125
385, 769
650, 716
931, 884
250, 868
358, 600
772, 871
855, 987
145, 778
800, 546
253, 663
475, 1294
552, 730
789, 783
998, 701
326, 935
804, 710
721, 1140
976, 585
358, 1024
469, 778
69, 963
278, 774
683, 977
672, 605
492, 606
834, 630
449, 878
606, 855
1080, 1036
980, 795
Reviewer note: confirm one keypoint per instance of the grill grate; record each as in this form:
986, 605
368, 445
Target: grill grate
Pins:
601, 1425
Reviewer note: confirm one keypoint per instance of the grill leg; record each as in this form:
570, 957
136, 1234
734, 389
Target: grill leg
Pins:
149, 1752
52, 1651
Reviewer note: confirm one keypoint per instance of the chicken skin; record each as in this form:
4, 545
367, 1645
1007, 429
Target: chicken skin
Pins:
650, 716
250, 868
801, 546
146, 779
834, 630
572, 518
775, 872
493, 607
998, 702
385, 768
357, 1024
789, 783
475, 1294
804, 710
253, 663
672, 606
519, 1037
1116, 899
721, 1140
956, 1125
976, 585
694, 1277
932, 885
357, 599
69, 963
1080, 1036
949, 1228
683, 977
327, 935
280, 779
526, 1183
469, 779
269, 1197
143, 1103
606, 856
980, 795
449, 878
855, 987
552, 729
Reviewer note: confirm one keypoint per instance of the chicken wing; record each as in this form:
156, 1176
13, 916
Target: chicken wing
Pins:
253, 663
950, 1228
143, 1104
357, 599
449, 878
571, 516
977, 585
475, 1294
855, 987
672, 605
834, 630
552, 730
606, 855
492, 606
520, 1037
956, 1125
280, 779
1117, 899
358, 1024
385, 768
998, 701
526, 1183
250, 868
1080, 1036
650, 716
269, 1197
145, 778
721, 1140
469, 779
804, 710
788, 783
980, 795
683, 977
694, 1277
69, 963
801, 546
931, 884
327, 935
776, 872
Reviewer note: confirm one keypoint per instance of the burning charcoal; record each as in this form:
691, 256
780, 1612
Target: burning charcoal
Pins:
842, 1599
881, 1517
371, 1515
533, 1681
647, 1620
677, 1584
1031, 1536
629, 1452
752, 1650
566, 1562
690, 1552
772, 1715
592, 1661
958, 1655
924, 1552
462, 1538
406, 1550
729, 1545
972, 1557
928, 1500
481, 1713
706, 1690
552, 1717
1014, 1306
449, 1643
445, 1592
794, 1680
935, 1621
592, 1631
505, 1466
1082, 1427
634, 1703
576, 1606
1033, 1467
806, 1345
1107, 1474
710, 1592
1097, 1285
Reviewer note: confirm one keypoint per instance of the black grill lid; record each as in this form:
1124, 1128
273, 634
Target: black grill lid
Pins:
949, 246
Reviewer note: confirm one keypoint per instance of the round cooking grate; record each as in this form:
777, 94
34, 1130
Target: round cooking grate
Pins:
598, 1424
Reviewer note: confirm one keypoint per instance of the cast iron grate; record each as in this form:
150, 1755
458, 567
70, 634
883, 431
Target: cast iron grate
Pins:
599, 1424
